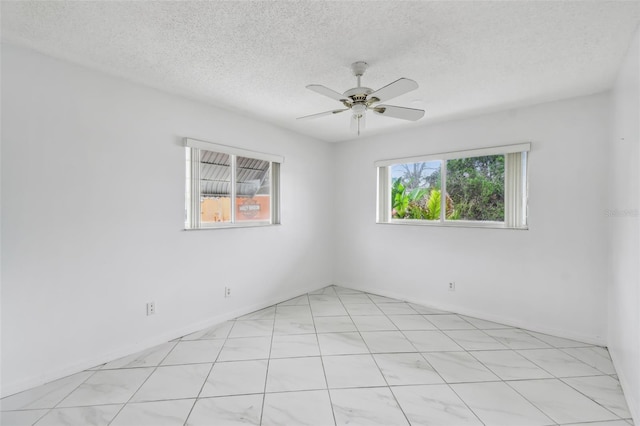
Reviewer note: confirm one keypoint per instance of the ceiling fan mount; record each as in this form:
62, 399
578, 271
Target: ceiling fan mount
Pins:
360, 99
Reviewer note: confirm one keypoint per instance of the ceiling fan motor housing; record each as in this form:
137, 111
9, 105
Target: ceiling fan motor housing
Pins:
358, 94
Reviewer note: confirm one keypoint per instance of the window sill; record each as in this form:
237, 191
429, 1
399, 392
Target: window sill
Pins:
452, 224
233, 226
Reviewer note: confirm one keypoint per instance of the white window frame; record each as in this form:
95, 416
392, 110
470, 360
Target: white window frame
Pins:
192, 191
516, 187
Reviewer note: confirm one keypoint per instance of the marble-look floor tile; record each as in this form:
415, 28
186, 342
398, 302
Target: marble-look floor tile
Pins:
382, 299
299, 312
367, 406
330, 290
498, 404
474, 340
411, 322
294, 345
245, 348
354, 298
605, 390
156, 413
99, 415
327, 309
593, 356
173, 382
362, 309
149, 358
304, 408
324, 298
510, 365
346, 290
459, 367
268, 313
407, 369
252, 328
373, 323
431, 341
294, 374
194, 351
293, 326
45, 396
108, 387
218, 331
425, 310
300, 300
236, 378
341, 344
21, 418
558, 342
560, 402
517, 339
558, 363
434, 405
484, 324
350, 371
334, 324
241, 410
396, 309
450, 322
387, 342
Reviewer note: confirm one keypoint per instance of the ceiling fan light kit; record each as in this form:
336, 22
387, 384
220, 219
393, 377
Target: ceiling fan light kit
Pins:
360, 99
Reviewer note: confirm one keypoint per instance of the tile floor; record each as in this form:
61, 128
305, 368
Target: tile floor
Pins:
337, 357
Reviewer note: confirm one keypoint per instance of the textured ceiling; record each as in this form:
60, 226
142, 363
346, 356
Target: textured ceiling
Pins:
257, 57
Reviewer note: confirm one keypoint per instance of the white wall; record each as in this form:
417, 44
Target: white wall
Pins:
624, 288
551, 278
92, 215
93, 210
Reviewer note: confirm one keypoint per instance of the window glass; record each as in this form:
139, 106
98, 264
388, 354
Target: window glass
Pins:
215, 187
253, 190
415, 190
475, 188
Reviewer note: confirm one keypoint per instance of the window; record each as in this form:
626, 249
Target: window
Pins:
230, 187
483, 187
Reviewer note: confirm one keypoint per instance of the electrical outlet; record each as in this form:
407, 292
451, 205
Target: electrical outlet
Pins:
227, 292
452, 286
151, 308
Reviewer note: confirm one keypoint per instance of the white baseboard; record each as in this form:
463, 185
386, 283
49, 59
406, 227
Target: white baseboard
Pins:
513, 322
632, 403
80, 365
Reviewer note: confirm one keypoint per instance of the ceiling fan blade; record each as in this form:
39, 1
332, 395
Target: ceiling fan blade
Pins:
397, 88
323, 90
322, 114
399, 112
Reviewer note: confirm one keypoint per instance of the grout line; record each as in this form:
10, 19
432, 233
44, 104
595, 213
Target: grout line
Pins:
210, 370
266, 376
324, 371
592, 366
374, 358
145, 381
50, 409
591, 398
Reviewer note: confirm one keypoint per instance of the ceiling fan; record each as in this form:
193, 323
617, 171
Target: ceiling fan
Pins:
360, 99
